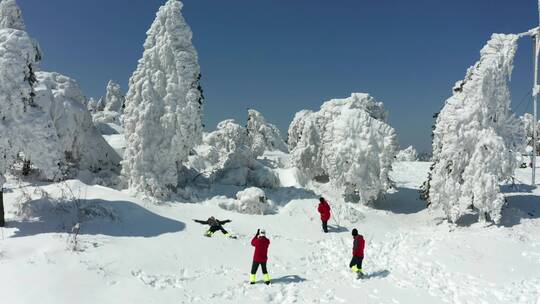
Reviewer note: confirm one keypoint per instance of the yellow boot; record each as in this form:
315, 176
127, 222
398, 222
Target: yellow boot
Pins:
252, 278
266, 278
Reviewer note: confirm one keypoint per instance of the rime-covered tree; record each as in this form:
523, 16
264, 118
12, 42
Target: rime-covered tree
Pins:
162, 117
262, 135
114, 98
476, 137
408, 154
24, 126
349, 141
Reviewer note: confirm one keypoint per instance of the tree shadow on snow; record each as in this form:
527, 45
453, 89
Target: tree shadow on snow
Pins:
283, 195
112, 218
288, 279
377, 274
519, 207
521, 188
403, 201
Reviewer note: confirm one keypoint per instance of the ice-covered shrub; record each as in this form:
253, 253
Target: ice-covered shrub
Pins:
349, 141
82, 145
262, 135
163, 113
408, 154
476, 137
528, 126
249, 201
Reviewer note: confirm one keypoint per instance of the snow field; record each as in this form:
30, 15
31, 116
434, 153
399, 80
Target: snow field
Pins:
157, 254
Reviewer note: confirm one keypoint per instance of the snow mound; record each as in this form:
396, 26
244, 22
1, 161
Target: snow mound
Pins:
408, 154
348, 141
82, 145
476, 137
249, 201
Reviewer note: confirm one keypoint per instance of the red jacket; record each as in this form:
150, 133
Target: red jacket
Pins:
324, 210
358, 246
261, 244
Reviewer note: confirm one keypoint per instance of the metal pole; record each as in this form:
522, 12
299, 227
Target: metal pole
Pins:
535, 99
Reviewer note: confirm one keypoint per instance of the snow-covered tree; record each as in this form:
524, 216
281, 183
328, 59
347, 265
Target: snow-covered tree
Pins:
528, 125
110, 108
10, 16
162, 117
24, 126
263, 136
91, 105
349, 141
82, 145
476, 137
225, 157
408, 154
114, 98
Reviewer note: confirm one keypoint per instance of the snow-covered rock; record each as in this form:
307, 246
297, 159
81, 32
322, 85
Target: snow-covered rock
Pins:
249, 201
476, 137
163, 113
408, 154
262, 135
82, 145
25, 127
349, 141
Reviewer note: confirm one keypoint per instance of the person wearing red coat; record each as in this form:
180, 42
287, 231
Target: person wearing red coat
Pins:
260, 256
358, 253
324, 210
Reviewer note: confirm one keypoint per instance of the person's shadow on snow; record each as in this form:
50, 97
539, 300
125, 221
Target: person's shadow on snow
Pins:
377, 274
337, 229
288, 279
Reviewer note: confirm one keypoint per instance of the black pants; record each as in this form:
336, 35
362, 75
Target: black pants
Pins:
216, 228
325, 226
356, 260
255, 266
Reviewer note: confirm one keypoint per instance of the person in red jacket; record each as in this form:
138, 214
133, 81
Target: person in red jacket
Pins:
260, 256
324, 210
358, 253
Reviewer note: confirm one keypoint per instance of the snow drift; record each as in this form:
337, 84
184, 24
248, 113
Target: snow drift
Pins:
349, 141
249, 201
476, 137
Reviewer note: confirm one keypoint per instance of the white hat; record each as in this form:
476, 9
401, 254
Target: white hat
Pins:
262, 232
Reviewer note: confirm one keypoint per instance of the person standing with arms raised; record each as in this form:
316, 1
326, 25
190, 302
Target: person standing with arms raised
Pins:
260, 256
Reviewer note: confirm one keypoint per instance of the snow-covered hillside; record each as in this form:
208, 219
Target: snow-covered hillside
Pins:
132, 251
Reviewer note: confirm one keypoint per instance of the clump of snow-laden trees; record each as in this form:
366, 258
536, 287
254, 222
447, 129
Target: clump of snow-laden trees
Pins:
476, 137
528, 126
408, 154
163, 112
109, 109
229, 154
348, 141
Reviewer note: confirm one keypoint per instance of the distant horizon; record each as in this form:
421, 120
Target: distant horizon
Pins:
280, 57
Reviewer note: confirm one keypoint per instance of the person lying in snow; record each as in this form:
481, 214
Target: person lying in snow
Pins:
358, 253
215, 225
260, 256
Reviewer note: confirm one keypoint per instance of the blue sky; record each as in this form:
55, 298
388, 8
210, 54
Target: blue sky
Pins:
281, 56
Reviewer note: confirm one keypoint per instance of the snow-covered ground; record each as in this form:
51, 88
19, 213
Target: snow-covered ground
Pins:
133, 251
